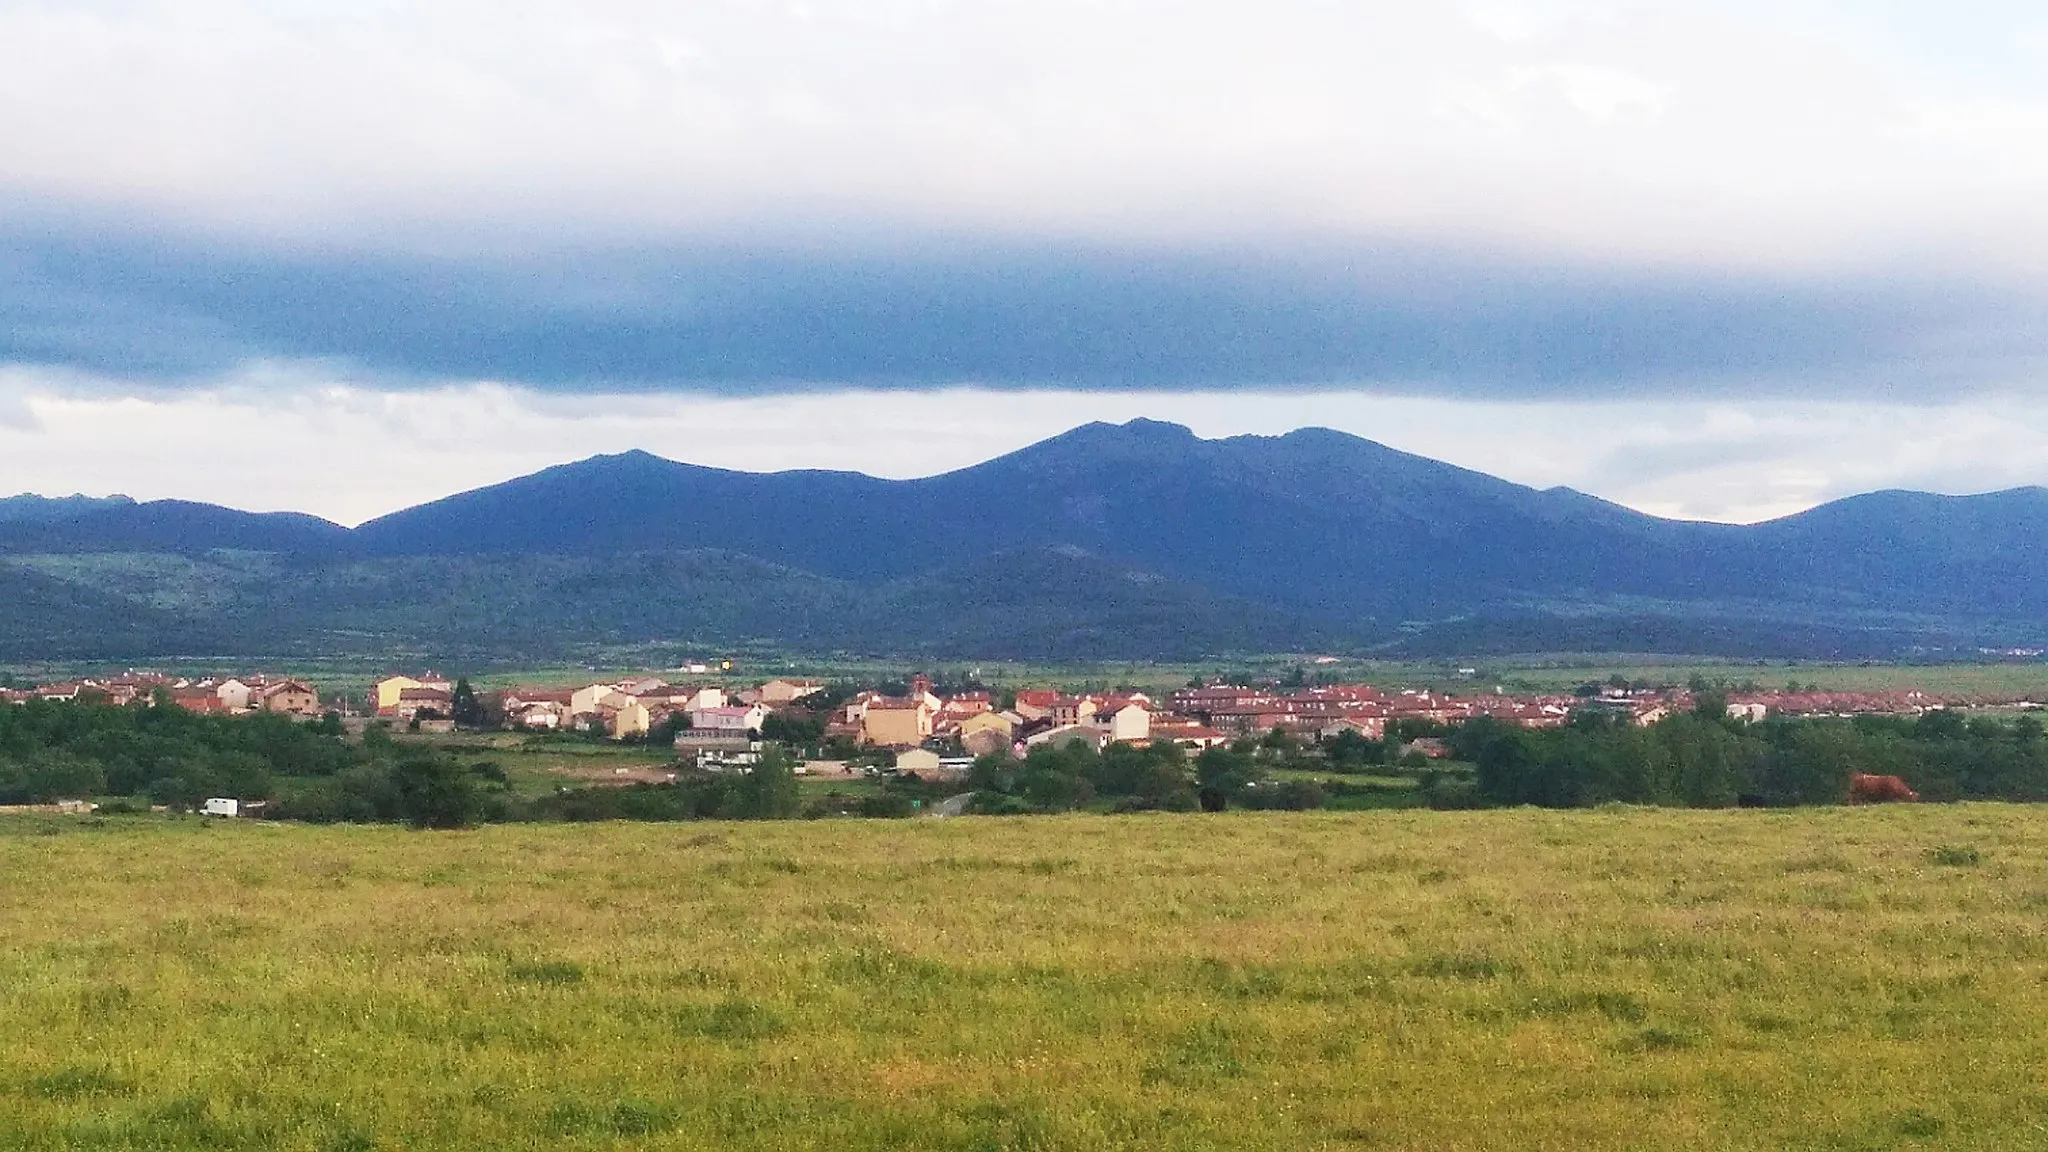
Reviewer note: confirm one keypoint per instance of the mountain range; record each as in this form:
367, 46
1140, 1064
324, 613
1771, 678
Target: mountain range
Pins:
1129, 541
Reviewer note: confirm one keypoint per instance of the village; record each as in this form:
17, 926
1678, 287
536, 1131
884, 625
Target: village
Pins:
713, 722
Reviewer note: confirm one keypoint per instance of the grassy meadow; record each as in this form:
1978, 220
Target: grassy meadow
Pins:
1818, 979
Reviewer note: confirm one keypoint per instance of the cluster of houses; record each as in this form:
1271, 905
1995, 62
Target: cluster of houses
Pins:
629, 708
717, 719
974, 722
1195, 717
211, 696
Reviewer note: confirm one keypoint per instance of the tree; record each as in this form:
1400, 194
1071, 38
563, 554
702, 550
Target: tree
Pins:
1710, 704
464, 708
794, 727
1278, 740
1049, 784
1226, 771
994, 772
433, 791
769, 791
1350, 751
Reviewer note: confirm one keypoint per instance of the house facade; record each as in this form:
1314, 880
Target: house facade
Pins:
888, 723
290, 698
733, 720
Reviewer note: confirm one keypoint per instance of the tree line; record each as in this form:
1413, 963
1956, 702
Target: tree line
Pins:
1702, 759
165, 756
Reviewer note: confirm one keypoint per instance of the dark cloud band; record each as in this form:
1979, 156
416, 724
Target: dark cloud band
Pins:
913, 312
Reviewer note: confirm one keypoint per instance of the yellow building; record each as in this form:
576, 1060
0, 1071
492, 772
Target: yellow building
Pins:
895, 724
984, 739
786, 691
992, 722
631, 720
389, 690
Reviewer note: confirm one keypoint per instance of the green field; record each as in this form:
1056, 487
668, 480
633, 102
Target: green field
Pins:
1821, 979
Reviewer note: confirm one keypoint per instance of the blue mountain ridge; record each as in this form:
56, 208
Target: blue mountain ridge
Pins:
1324, 536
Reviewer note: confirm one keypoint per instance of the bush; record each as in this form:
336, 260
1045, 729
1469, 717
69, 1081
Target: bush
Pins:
1452, 794
434, 792
999, 804
1299, 796
889, 805
1286, 796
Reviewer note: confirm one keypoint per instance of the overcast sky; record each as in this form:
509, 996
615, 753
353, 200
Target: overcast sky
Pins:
1719, 260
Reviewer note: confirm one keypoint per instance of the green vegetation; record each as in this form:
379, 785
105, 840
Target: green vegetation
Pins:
58, 750
167, 756
1826, 979
1700, 761
313, 773
508, 609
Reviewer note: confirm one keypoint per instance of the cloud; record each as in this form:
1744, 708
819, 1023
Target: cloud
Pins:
15, 414
298, 437
1742, 131
1552, 198
928, 310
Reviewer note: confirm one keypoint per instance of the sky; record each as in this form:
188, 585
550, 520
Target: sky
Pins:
1713, 260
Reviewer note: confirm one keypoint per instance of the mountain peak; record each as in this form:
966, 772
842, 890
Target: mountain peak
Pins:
1138, 431
631, 458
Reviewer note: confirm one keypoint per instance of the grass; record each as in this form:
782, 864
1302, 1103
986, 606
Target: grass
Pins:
1826, 979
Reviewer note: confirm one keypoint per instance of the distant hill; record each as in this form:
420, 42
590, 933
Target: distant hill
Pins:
1120, 541
31, 507
42, 617
178, 526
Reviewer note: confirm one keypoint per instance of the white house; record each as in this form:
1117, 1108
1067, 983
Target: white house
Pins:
541, 717
731, 720
234, 695
692, 699
1131, 722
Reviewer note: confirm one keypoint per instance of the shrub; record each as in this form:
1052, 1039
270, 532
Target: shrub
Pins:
889, 805
1299, 796
998, 804
1451, 794
434, 792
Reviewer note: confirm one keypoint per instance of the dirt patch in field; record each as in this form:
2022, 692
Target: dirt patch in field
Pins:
619, 777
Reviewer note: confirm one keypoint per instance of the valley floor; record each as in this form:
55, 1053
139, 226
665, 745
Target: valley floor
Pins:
1813, 979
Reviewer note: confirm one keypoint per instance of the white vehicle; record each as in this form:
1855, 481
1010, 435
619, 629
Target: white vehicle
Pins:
219, 806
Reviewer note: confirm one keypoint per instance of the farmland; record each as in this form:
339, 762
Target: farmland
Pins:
1824, 979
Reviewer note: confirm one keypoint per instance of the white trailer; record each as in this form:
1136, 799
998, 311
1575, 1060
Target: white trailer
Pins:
219, 806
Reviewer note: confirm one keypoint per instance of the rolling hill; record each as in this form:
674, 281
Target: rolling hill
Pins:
1126, 540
